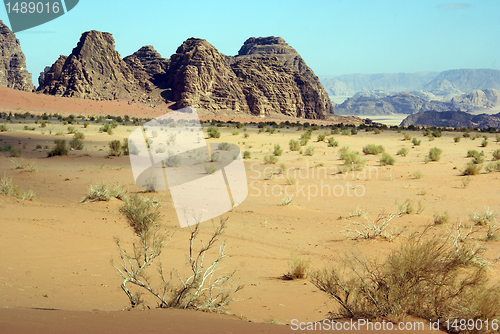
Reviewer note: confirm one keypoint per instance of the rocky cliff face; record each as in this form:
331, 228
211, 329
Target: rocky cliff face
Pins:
148, 67
93, 70
264, 47
200, 76
13, 73
267, 76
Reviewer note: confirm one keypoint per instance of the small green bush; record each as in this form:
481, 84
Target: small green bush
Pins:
309, 151
406, 136
345, 132
173, 161
224, 146
373, 149
376, 131
332, 142
71, 129
466, 135
303, 141
387, 159
115, 148
435, 154
278, 151
247, 155
76, 142
246, 135
270, 159
416, 142
493, 166
3, 128
484, 143
496, 154
354, 131
294, 145
15, 152
235, 132
456, 139
321, 137
60, 148
213, 132
403, 152
472, 169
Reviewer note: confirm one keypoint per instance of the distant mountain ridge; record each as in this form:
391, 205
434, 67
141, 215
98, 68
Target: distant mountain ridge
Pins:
438, 86
407, 103
452, 119
391, 82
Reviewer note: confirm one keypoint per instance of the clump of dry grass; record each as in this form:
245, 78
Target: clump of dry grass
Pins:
7, 188
297, 267
103, 192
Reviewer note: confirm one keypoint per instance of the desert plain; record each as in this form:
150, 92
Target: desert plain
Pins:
55, 250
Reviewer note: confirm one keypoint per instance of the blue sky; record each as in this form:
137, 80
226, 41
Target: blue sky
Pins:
333, 36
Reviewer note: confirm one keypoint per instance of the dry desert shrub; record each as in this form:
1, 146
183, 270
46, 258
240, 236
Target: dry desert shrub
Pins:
297, 267
7, 188
435, 154
373, 149
103, 192
403, 152
441, 218
425, 278
387, 159
370, 229
407, 208
201, 290
483, 219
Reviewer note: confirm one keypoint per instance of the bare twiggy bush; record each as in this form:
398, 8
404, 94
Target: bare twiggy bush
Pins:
103, 192
201, 290
297, 267
371, 229
423, 278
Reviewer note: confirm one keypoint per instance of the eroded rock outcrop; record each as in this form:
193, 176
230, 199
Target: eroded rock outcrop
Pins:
93, 70
267, 76
13, 73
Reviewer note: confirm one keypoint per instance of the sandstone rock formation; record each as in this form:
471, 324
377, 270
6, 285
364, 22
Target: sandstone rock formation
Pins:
267, 76
454, 119
13, 73
311, 88
93, 70
148, 67
200, 76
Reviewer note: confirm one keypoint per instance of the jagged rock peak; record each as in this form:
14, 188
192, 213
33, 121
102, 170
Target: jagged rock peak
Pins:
13, 73
94, 70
